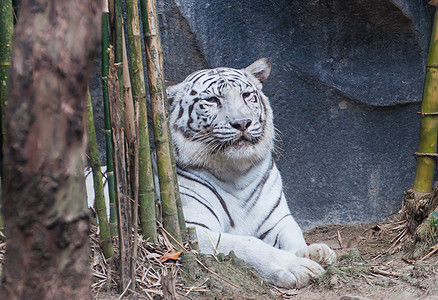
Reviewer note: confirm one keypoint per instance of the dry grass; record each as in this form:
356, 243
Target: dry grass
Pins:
149, 269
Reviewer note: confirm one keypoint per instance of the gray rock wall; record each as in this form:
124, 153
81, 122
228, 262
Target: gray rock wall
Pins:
345, 87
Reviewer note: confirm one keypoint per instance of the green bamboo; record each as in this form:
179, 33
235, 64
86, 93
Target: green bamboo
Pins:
428, 126
6, 33
166, 174
179, 208
99, 199
108, 132
146, 181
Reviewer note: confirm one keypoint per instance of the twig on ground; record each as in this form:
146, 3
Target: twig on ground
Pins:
341, 244
126, 289
433, 250
409, 261
374, 270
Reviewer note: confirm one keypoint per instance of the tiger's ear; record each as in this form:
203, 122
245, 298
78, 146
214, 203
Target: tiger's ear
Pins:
172, 89
260, 69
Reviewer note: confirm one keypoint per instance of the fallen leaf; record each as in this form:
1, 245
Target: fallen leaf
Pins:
433, 2
171, 255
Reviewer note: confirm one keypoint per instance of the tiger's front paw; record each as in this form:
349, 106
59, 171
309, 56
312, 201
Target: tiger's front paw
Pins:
320, 253
289, 271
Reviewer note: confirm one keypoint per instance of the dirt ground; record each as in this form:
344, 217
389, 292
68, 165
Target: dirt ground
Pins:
370, 266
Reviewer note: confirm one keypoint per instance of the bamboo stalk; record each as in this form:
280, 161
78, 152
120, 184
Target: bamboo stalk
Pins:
6, 33
108, 133
146, 181
428, 125
135, 211
130, 125
179, 208
123, 201
157, 90
118, 46
99, 199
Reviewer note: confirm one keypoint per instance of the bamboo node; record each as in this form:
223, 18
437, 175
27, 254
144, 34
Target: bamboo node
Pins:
147, 34
432, 155
423, 114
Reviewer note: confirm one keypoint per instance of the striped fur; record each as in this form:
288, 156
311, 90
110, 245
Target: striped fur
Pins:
222, 127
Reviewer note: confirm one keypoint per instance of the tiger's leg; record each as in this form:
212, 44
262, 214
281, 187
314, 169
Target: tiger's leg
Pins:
289, 237
279, 267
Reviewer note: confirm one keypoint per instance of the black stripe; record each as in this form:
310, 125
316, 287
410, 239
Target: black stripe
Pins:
190, 120
180, 113
194, 79
211, 188
260, 186
193, 197
198, 224
276, 239
270, 213
211, 83
263, 235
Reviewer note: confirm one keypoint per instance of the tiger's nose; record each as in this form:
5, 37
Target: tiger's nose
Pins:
241, 125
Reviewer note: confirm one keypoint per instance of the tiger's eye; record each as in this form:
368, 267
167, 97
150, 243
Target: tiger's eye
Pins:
246, 95
213, 100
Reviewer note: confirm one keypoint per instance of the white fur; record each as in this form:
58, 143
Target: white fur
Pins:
233, 175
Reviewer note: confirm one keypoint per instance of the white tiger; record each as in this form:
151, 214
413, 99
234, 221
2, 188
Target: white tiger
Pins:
231, 189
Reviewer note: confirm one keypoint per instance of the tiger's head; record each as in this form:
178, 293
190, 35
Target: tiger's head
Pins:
220, 118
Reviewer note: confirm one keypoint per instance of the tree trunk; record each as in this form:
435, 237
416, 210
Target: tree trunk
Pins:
46, 218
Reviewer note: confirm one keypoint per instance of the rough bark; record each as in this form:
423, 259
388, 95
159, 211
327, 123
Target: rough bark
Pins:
46, 218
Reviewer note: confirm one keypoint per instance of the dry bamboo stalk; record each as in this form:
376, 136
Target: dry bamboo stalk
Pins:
123, 202
135, 211
130, 131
